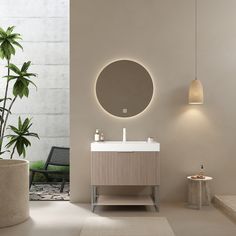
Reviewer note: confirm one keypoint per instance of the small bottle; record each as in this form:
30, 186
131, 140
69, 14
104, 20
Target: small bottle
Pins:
201, 173
102, 137
97, 136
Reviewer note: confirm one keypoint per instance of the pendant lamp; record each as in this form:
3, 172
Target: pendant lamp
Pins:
195, 95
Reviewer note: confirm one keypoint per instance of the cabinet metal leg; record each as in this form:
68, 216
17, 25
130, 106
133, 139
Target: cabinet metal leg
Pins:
156, 194
93, 197
92, 200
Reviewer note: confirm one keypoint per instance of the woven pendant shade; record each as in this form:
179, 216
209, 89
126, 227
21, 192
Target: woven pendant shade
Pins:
195, 92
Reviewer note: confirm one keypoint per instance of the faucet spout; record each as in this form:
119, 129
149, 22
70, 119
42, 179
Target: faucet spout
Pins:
124, 134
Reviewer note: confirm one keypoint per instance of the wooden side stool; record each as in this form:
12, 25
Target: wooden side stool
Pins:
199, 192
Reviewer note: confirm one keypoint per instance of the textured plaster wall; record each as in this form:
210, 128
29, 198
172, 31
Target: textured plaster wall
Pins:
44, 25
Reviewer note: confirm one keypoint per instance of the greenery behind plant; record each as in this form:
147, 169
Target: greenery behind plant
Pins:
20, 78
39, 165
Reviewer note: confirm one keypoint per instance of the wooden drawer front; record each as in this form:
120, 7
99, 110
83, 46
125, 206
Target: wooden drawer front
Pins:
125, 168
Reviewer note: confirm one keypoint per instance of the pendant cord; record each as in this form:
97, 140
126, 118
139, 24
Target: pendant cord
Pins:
195, 39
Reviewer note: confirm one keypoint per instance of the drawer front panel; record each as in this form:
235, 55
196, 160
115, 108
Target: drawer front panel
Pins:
125, 168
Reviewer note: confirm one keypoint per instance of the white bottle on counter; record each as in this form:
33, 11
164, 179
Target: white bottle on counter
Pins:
102, 137
97, 136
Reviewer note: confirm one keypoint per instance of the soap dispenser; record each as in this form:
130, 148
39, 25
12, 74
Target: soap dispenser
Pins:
97, 136
102, 139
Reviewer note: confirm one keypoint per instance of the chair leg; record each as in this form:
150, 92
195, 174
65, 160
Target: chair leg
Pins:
31, 178
46, 176
62, 185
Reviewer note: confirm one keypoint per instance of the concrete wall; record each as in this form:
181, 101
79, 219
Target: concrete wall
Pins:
44, 26
160, 35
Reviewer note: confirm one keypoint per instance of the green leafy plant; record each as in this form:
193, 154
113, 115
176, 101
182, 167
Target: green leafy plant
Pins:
8, 40
21, 80
19, 138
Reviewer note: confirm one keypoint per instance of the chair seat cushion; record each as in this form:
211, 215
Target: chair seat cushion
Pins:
49, 171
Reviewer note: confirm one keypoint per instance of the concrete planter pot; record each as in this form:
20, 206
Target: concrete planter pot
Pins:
14, 192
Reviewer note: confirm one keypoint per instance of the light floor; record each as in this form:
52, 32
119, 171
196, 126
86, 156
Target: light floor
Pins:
66, 219
226, 203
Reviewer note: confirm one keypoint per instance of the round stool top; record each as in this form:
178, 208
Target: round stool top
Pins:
205, 179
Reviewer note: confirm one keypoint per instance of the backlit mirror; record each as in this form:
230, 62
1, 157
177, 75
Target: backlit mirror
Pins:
124, 88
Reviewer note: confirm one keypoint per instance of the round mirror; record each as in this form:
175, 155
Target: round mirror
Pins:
124, 88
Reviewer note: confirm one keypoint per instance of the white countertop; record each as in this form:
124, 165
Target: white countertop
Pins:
128, 146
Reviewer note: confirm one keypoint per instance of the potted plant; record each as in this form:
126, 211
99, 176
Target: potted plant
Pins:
14, 173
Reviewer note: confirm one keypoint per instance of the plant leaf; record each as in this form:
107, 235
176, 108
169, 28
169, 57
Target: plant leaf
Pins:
25, 66
20, 137
14, 68
9, 30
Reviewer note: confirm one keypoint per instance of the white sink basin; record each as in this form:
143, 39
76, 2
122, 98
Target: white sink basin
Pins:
128, 146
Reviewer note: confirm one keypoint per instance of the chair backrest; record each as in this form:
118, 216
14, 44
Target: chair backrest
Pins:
58, 156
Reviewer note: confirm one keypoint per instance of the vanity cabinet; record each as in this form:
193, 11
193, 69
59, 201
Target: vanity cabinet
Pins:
125, 168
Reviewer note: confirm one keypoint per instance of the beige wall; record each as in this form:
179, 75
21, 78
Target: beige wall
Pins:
160, 35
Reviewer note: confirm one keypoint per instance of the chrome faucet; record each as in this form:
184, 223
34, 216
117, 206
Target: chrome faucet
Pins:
124, 134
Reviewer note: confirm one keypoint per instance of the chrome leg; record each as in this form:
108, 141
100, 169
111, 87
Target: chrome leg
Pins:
157, 197
93, 197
